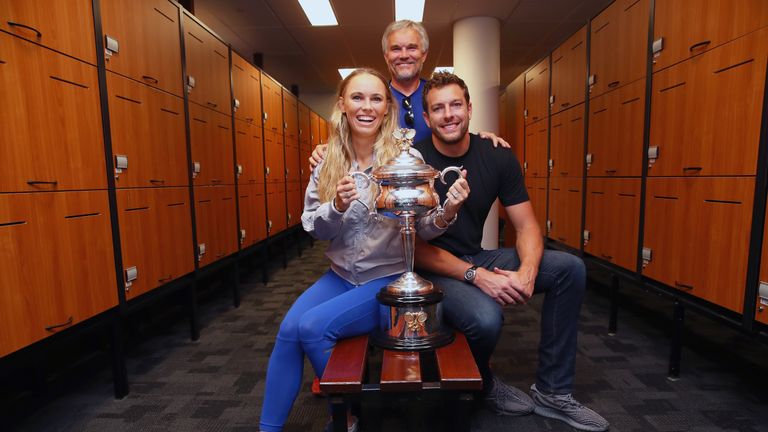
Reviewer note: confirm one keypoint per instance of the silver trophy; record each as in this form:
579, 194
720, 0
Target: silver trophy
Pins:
411, 313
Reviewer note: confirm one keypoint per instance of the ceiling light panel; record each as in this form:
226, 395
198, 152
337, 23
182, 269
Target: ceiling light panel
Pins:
319, 12
345, 71
409, 9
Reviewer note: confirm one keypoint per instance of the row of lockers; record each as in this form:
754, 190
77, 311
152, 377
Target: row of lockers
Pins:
249, 143
569, 118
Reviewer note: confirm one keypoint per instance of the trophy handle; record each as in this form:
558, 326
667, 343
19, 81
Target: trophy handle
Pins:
457, 170
363, 180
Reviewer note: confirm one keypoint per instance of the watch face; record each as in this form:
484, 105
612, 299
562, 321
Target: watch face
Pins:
469, 275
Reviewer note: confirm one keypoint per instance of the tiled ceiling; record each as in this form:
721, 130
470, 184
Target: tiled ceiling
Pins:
298, 54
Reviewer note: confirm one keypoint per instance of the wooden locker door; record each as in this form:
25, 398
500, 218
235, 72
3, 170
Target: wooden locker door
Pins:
691, 27
315, 128
304, 153
208, 64
291, 117
605, 31
175, 235
761, 309
323, 131
205, 220
253, 220
295, 203
537, 91
276, 208
292, 170
211, 144
273, 106
567, 143
139, 221
305, 128
147, 127
250, 156
613, 220
517, 119
537, 194
68, 238
687, 252
633, 41
275, 157
569, 72
51, 121
147, 34
226, 231
66, 27
707, 111
565, 211
536, 150
615, 142
246, 83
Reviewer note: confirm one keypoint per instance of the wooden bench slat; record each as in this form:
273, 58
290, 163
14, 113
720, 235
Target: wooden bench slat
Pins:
457, 367
344, 372
400, 371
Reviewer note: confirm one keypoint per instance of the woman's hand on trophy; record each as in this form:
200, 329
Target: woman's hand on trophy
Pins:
457, 194
346, 192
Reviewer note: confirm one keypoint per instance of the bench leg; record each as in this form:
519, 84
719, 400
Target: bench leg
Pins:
338, 414
461, 409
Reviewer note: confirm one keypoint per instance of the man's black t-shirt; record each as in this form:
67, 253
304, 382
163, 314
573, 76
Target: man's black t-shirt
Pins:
491, 173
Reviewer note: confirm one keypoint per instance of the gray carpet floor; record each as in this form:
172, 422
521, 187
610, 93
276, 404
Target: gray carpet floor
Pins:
217, 382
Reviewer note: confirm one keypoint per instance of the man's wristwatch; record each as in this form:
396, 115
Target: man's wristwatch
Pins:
470, 273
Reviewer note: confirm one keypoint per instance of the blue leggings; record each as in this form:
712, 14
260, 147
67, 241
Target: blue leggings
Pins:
330, 309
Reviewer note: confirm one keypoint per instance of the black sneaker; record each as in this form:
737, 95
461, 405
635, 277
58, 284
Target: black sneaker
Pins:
565, 408
507, 400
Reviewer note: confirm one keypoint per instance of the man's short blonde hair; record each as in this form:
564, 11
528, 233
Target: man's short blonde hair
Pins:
405, 24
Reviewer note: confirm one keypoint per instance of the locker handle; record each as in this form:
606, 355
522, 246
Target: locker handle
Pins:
211, 104
613, 84
15, 24
165, 278
683, 286
156, 181
55, 326
563, 173
699, 45
39, 182
215, 181
608, 257
221, 255
153, 80
692, 168
565, 104
610, 171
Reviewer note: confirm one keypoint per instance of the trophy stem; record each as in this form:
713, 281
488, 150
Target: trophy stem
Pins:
409, 241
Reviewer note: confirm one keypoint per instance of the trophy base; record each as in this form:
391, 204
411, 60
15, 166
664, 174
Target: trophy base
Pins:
422, 343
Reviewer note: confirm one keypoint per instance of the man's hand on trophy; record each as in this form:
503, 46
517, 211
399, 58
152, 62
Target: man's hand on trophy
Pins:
318, 154
346, 192
457, 194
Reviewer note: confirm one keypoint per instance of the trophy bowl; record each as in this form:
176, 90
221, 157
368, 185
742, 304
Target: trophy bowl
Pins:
411, 316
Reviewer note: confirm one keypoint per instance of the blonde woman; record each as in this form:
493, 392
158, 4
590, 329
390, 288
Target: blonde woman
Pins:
365, 252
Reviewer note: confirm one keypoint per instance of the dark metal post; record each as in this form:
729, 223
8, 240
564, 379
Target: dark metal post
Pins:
676, 344
613, 320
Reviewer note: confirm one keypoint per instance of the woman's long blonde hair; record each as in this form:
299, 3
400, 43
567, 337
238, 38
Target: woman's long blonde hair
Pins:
339, 155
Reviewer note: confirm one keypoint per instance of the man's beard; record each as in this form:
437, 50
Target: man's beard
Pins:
458, 137
406, 76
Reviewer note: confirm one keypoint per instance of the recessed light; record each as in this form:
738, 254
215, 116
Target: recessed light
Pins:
448, 69
319, 12
345, 71
409, 9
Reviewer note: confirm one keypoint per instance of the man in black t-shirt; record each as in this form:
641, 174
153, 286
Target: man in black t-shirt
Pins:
478, 283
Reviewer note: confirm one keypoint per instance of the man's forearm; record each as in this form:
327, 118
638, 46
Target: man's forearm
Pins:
530, 247
439, 261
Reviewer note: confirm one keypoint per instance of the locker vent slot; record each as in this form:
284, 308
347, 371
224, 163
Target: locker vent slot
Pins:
68, 82
597, 193
199, 120
573, 190
237, 66
602, 27
77, 216
557, 125
204, 201
627, 195
2, 61
169, 111
630, 101
734, 66
128, 99
176, 204
672, 87
543, 70
577, 45
7, 224
630, 6
576, 119
193, 35
241, 133
600, 111
137, 208
222, 127
222, 55
665, 197
557, 60
161, 13
226, 199
721, 201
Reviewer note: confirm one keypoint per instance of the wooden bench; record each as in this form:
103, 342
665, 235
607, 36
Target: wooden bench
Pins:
456, 377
